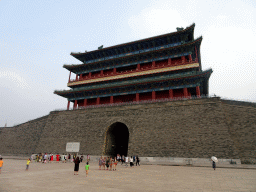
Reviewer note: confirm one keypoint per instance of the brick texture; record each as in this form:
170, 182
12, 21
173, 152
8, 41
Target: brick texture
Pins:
197, 128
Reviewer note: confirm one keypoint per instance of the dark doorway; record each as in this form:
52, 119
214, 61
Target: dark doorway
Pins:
117, 138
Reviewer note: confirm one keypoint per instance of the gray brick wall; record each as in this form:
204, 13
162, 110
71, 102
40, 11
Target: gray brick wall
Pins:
190, 128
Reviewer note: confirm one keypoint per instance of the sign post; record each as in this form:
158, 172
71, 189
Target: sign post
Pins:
73, 147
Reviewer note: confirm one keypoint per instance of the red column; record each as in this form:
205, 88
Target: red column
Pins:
90, 75
114, 71
197, 91
153, 95
183, 59
190, 58
171, 93
153, 64
101, 73
81, 76
69, 76
111, 99
76, 77
137, 97
138, 67
185, 92
68, 105
75, 104
169, 61
85, 102
98, 101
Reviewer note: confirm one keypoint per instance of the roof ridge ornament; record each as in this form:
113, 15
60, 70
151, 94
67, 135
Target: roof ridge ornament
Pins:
100, 47
180, 28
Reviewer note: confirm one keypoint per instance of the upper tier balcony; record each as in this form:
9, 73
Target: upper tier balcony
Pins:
139, 71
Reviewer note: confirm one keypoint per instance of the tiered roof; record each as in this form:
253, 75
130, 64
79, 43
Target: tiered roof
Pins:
174, 37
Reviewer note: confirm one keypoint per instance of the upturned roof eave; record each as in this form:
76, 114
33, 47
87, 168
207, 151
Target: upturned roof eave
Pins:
69, 67
201, 73
191, 27
141, 40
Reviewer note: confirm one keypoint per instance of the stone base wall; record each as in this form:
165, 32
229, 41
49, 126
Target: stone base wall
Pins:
198, 128
21, 139
241, 121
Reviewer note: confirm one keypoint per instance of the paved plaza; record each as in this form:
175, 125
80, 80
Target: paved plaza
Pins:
59, 177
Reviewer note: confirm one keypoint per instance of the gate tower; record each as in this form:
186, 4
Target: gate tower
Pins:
165, 66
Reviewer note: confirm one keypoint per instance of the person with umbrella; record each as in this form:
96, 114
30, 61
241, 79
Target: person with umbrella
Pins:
214, 160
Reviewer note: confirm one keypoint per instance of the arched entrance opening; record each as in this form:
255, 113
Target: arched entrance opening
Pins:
116, 140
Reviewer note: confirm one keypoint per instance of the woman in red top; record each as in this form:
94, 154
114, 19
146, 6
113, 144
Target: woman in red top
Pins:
57, 157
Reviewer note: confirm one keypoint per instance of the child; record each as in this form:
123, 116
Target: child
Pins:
87, 168
1, 164
27, 166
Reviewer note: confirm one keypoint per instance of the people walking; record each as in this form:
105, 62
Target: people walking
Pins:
110, 164
137, 160
123, 159
213, 165
1, 163
76, 168
88, 158
107, 162
58, 157
27, 166
100, 163
81, 158
103, 162
87, 166
115, 164
131, 161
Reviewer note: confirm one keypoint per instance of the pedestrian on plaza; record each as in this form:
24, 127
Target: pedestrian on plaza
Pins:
63, 158
74, 157
115, 164
69, 157
45, 158
1, 163
51, 157
76, 168
100, 162
58, 157
32, 158
134, 158
27, 166
123, 159
213, 165
81, 158
88, 158
131, 161
104, 162
110, 163
87, 166
107, 162
137, 160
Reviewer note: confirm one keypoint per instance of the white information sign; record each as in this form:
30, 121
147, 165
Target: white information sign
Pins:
73, 147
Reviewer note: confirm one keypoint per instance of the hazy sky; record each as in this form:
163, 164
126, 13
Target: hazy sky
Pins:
37, 37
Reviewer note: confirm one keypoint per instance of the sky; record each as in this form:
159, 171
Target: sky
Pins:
37, 37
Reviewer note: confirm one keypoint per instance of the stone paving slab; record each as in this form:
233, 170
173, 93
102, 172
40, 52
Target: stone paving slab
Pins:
60, 177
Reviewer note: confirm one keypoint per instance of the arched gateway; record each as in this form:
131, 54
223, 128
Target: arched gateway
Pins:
116, 140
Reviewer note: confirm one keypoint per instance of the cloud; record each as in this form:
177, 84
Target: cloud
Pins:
17, 80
